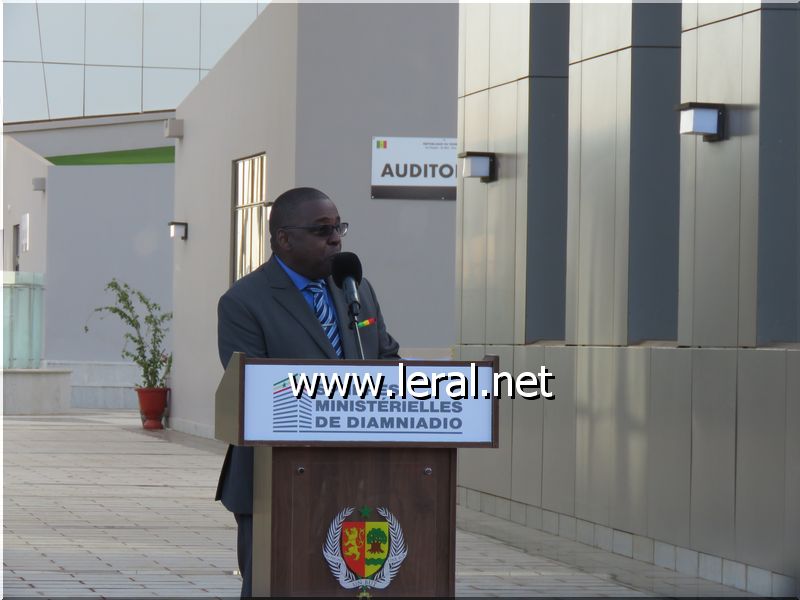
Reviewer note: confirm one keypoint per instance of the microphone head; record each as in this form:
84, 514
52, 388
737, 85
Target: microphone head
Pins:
344, 265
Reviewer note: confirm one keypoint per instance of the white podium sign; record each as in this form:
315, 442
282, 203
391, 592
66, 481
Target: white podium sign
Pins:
425, 403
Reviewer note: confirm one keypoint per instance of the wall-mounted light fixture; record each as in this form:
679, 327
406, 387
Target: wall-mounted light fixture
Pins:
703, 118
39, 184
479, 164
173, 128
179, 229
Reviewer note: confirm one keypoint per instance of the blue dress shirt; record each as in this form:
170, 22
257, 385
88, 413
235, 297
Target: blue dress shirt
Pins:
301, 281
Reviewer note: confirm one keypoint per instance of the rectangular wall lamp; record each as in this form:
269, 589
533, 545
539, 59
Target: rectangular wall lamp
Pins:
479, 164
178, 229
703, 118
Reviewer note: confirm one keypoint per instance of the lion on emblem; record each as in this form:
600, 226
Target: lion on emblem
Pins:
354, 542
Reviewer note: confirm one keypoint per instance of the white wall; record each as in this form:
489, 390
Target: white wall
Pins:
310, 85
20, 166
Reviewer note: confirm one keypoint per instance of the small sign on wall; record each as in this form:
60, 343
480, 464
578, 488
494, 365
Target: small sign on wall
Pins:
414, 168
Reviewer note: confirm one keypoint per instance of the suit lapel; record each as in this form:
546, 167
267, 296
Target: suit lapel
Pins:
291, 299
347, 335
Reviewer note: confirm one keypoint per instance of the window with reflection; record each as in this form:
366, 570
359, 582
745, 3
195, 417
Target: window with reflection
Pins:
250, 216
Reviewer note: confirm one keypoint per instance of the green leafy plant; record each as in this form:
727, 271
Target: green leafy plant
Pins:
148, 328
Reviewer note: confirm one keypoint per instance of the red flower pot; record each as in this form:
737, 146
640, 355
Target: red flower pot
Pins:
152, 404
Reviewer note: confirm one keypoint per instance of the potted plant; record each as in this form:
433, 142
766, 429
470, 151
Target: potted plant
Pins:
148, 327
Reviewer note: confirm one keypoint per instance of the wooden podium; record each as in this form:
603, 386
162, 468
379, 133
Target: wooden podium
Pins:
365, 506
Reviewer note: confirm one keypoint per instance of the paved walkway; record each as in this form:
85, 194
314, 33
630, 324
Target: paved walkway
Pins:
96, 507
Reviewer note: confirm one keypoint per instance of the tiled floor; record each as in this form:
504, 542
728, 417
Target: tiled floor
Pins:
96, 507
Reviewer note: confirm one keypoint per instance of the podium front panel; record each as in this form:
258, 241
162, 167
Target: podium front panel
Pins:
414, 488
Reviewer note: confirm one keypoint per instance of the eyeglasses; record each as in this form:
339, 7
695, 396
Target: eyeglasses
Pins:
324, 231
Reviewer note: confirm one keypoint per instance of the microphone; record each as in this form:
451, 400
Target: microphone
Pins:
346, 272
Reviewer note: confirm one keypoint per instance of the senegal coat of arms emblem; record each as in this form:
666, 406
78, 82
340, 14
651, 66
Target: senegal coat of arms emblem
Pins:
364, 553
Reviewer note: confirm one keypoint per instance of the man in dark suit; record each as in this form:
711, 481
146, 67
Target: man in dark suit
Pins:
290, 308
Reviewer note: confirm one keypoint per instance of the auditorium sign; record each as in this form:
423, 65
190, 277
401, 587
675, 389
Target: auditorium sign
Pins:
413, 168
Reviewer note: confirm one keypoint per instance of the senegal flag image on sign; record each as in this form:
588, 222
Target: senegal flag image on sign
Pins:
365, 546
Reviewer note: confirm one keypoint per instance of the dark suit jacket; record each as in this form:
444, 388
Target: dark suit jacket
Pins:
265, 315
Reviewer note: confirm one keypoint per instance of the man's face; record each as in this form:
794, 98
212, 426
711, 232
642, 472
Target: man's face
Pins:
304, 251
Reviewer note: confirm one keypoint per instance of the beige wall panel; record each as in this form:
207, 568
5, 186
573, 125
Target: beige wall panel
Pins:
605, 28
476, 64
709, 12
670, 446
716, 251
459, 257
792, 531
501, 227
716, 245
521, 238
597, 201
631, 442
575, 31
572, 286
686, 241
744, 124
462, 48
509, 42
713, 451
688, 181
526, 458
473, 240
761, 457
688, 15
619, 330
203, 190
21, 165
719, 62
595, 431
689, 64
558, 443
489, 469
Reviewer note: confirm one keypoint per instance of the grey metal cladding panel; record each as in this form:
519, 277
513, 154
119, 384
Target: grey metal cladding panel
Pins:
605, 28
595, 431
761, 457
670, 449
597, 215
549, 40
509, 42
631, 441
571, 287
500, 225
654, 196
526, 459
547, 210
657, 24
473, 241
713, 451
489, 469
558, 451
792, 533
476, 65
779, 189
575, 32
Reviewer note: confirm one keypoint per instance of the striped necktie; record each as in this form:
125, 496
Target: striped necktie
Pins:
326, 316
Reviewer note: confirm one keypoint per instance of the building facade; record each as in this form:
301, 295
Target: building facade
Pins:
655, 274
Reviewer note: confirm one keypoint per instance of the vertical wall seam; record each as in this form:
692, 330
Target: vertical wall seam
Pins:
41, 57
691, 436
